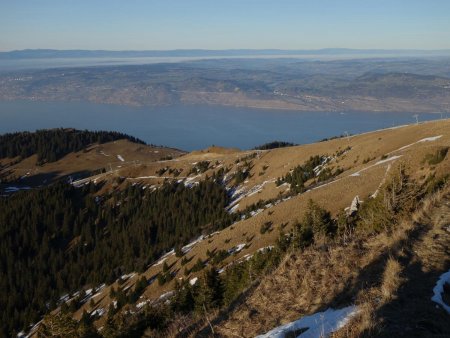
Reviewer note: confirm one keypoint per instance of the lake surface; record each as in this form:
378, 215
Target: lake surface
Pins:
197, 127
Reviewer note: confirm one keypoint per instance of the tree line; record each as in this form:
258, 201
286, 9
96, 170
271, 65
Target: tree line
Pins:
52, 144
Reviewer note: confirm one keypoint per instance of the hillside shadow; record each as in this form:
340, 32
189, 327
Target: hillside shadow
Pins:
370, 275
33, 181
51, 177
40, 179
410, 313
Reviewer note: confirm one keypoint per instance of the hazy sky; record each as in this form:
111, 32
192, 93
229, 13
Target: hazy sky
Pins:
224, 24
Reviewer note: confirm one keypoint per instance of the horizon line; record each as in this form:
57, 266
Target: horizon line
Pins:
231, 49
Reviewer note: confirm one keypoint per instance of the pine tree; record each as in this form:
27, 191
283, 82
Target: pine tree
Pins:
318, 219
212, 290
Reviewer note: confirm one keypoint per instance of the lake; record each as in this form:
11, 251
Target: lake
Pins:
197, 127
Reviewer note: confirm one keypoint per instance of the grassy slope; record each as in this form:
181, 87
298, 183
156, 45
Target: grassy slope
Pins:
297, 287
334, 197
390, 278
93, 158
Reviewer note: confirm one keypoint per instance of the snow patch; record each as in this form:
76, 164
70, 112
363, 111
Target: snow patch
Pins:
430, 139
140, 305
185, 249
99, 290
320, 324
242, 192
426, 139
237, 248
254, 213
64, 298
318, 169
268, 248
390, 159
164, 257
375, 194
438, 290
166, 295
193, 281
245, 258
127, 276
213, 234
98, 312
234, 209
191, 180
15, 189
120, 158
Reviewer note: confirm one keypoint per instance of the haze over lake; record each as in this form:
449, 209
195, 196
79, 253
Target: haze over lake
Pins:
197, 127
32, 60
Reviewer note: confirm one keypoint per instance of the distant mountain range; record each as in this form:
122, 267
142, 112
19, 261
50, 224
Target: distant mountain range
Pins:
54, 53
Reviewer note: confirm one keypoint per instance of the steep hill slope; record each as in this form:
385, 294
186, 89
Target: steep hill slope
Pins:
284, 256
390, 277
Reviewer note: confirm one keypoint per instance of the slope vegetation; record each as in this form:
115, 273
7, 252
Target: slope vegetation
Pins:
347, 222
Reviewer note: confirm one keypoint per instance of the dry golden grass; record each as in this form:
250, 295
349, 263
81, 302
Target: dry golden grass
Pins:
359, 269
93, 158
304, 283
427, 251
391, 279
367, 272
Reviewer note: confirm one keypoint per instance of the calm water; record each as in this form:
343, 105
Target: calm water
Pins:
197, 127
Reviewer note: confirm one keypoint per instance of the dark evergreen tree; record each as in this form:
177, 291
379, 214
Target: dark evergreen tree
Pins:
52, 144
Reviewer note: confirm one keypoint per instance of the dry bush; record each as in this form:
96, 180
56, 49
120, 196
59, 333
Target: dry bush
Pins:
391, 279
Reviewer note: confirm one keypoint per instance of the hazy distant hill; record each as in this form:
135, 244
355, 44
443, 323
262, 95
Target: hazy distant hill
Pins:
402, 84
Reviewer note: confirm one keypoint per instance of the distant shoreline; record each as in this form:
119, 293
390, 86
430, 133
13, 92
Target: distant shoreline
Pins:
225, 105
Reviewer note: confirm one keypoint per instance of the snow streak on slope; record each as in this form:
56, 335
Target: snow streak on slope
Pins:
243, 192
426, 139
392, 158
320, 324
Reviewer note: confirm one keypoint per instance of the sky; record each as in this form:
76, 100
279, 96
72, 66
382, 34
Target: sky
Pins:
224, 24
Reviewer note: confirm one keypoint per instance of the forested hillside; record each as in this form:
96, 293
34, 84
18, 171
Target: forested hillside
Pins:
59, 239
52, 144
